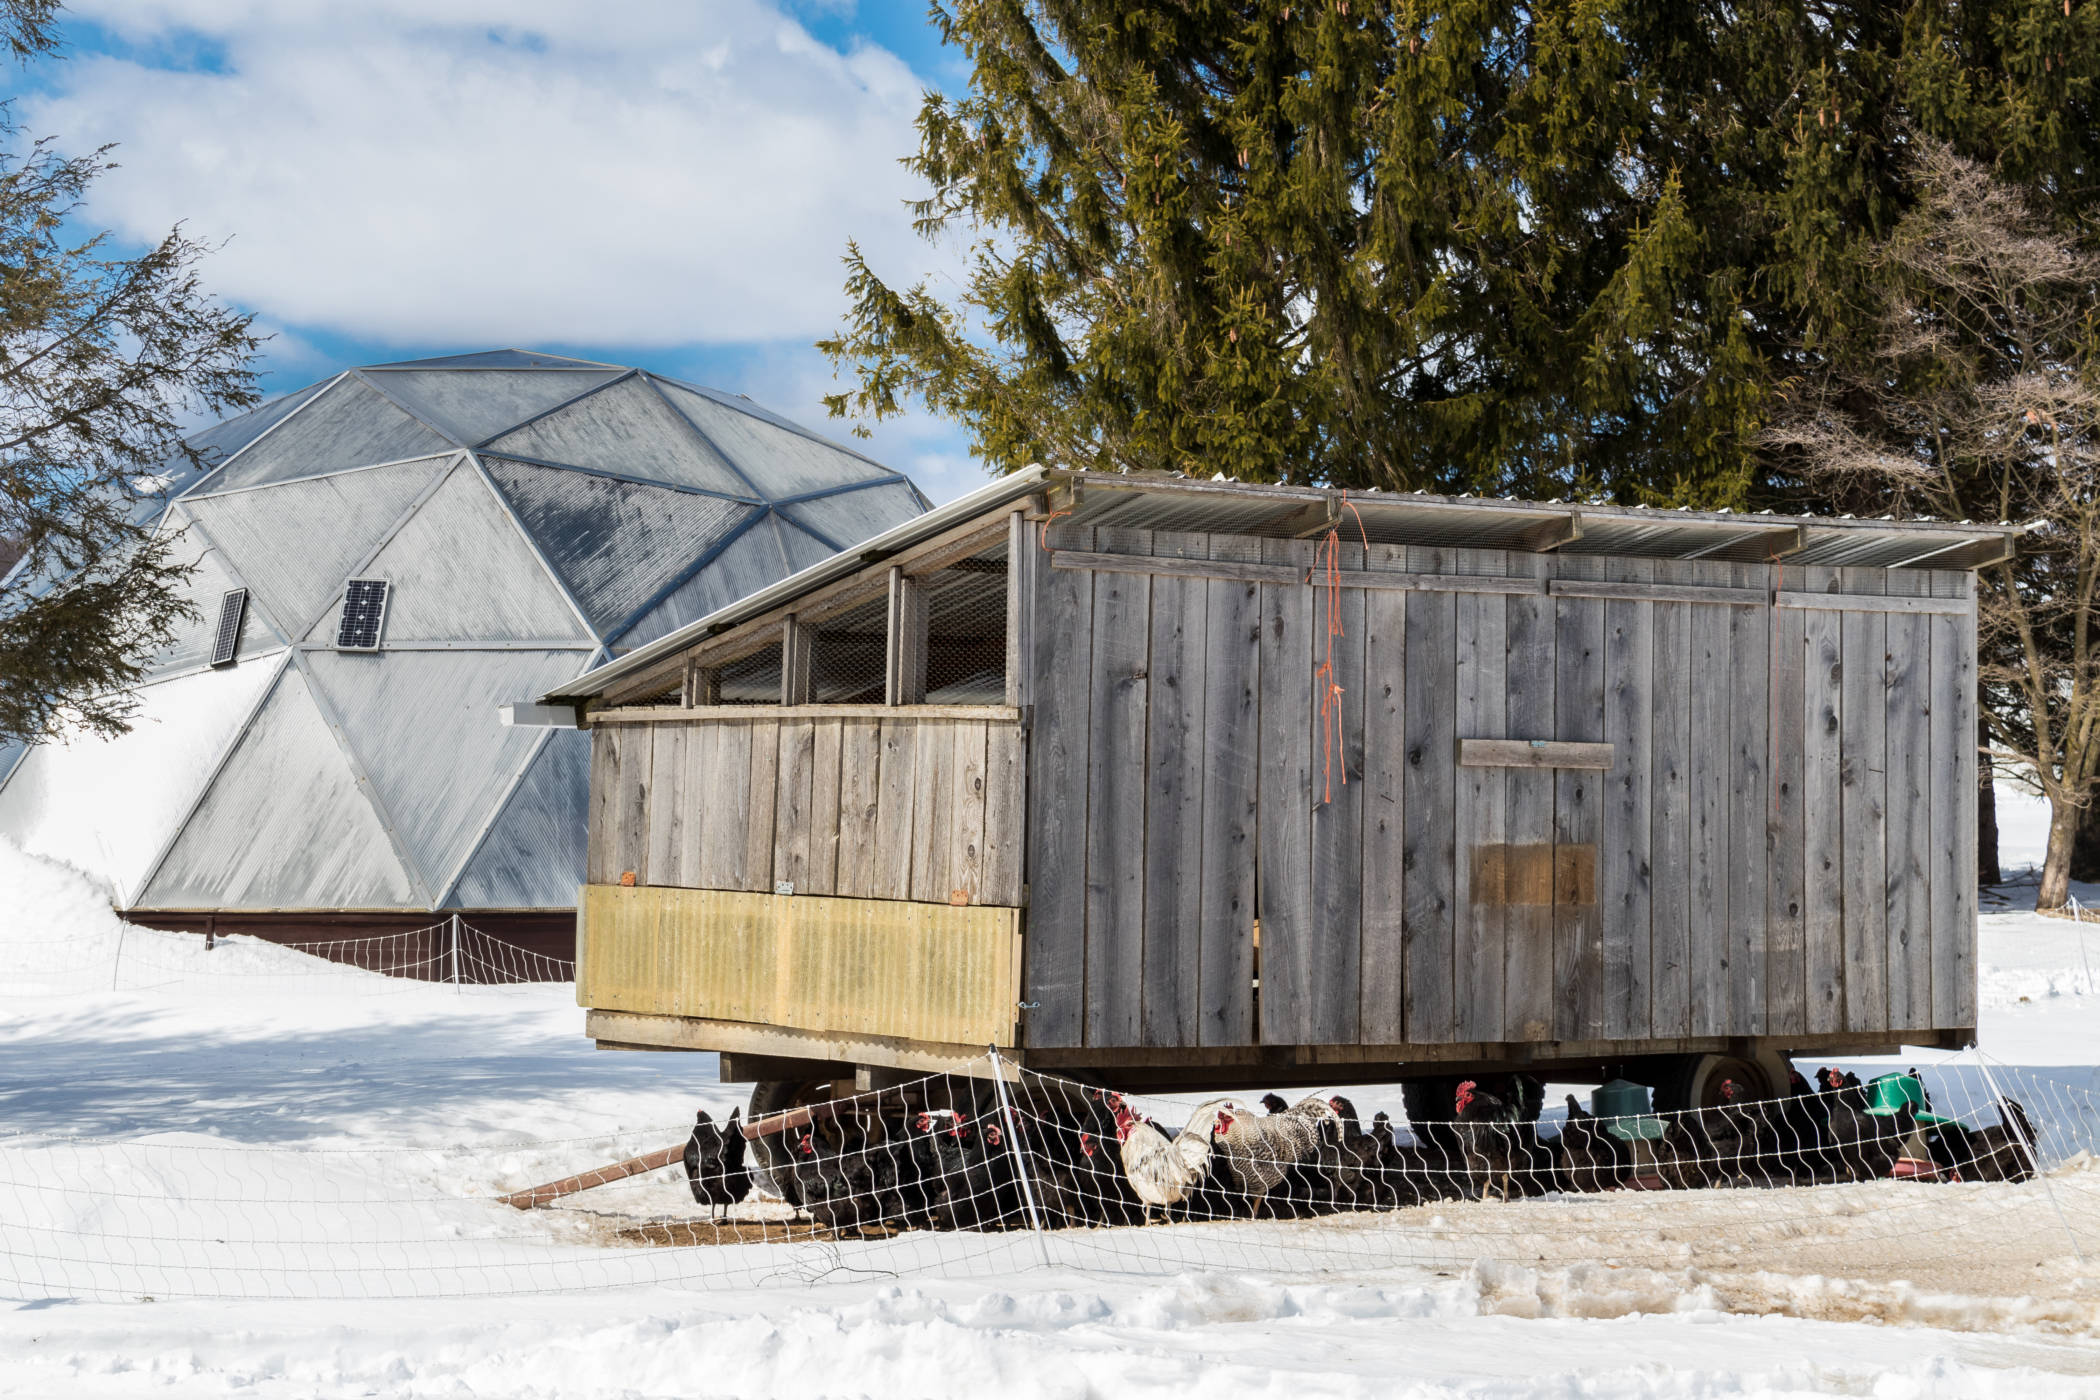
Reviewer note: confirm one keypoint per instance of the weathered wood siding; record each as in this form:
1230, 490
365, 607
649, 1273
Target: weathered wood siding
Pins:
923, 972
885, 807
1778, 846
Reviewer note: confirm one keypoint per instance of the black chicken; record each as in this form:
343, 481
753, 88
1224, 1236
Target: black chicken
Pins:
2005, 1151
1587, 1157
1865, 1144
1500, 1152
714, 1163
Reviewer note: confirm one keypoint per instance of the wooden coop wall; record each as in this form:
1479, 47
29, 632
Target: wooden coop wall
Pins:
1782, 843
871, 803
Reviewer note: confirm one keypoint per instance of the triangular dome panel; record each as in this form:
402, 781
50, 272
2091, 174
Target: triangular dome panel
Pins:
616, 544
206, 588
533, 855
499, 359
477, 404
461, 572
628, 429
285, 825
750, 562
294, 544
351, 424
424, 727
782, 461
109, 806
220, 441
848, 517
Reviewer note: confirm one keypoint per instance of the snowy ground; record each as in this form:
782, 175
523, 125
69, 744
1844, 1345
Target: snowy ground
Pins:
328, 1133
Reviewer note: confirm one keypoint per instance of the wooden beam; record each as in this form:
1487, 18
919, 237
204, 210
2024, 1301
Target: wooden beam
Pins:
628, 1029
904, 680
667, 714
797, 653
1874, 603
1658, 592
1549, 535
1532, 753
1236, 571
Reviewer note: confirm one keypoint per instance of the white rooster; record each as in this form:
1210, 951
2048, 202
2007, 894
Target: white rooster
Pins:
1162, 1170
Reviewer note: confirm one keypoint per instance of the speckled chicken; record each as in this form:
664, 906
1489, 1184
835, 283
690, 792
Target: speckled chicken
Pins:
1259, 1151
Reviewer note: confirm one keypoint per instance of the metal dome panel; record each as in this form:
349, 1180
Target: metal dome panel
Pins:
350, 424
750, 562
285, 824
627, 429
782, 461
848, 517
531, 855
475, 405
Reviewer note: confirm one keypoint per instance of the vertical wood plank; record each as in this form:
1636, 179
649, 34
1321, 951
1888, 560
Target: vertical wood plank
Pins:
896, 788
905, 674
1864, 775
794, 806
1174, 760
1964, 904
1023, 559
1429, 788
1115, 856
1624, 856
1336, 752
1912, 788
1578, 826
667, 802
605, 806
1231, 777
1055, 950
1706, 928
1750, 639
933, 817
860, 803
1381, 1005
1289, 942
968, 792
1006, 792
760, 811
1482, 661
637, 746
1822, 809
1786, 966
729, 801
1670, 825
697, 787
825, 750
1529, 990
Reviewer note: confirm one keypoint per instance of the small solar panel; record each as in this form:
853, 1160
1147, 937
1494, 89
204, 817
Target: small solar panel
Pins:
364, 613
233, 609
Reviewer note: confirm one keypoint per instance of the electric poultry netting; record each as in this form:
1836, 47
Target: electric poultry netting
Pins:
958, 1175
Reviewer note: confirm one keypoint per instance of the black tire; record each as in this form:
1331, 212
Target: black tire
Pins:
1694, 1081
768, 1158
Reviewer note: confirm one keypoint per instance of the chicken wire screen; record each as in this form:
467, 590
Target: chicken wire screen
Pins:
966, 631
849, 655
749, 680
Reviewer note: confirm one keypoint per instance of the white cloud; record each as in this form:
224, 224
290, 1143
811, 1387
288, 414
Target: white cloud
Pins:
649, 173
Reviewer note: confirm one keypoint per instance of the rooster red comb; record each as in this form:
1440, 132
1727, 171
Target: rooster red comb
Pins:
1465, 1094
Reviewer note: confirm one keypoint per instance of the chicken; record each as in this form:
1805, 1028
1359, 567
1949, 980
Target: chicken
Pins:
2004, 1152
1162, 1170
714, 1163
1865, 1144
1260, 1151
1588, 1157
1735, 1138
1497, 1146
1348, 1162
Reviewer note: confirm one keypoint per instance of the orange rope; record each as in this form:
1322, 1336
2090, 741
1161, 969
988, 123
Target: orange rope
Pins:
1042, 531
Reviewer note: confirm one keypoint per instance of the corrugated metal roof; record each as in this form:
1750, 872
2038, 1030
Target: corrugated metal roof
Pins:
206, 587
285, 824
848, 517
790, 460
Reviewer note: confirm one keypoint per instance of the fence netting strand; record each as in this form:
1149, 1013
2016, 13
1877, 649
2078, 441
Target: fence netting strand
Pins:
1977, 1168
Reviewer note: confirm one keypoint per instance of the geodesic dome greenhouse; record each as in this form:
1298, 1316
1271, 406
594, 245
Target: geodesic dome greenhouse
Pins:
383, 559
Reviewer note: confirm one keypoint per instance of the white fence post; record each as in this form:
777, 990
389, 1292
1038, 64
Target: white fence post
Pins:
1013, 1145
453, 925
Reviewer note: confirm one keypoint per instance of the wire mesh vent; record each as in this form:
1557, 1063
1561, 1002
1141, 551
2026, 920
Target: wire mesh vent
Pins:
226, 642
364, 615
849, 655
966, 631
749, 680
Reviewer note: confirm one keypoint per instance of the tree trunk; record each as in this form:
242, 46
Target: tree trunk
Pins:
2056, 865
2085, 844
1987, 870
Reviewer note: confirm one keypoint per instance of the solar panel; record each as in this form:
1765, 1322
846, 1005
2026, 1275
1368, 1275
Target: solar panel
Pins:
364, 613
233, 609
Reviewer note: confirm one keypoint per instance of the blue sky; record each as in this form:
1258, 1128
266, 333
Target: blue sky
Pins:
667, 183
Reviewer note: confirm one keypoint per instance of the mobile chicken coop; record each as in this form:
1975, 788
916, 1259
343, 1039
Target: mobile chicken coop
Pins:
1191, 784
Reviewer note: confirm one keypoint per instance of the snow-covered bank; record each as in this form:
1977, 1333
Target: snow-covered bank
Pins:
312, 1102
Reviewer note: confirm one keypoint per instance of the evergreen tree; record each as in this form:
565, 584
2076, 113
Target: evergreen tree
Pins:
102, 358
1553, 249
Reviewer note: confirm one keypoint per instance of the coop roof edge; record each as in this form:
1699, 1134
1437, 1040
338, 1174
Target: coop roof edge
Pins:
1105, 498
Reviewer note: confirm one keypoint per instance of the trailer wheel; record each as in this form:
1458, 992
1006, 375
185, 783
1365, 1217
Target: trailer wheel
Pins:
768, 1157
1694, 1081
